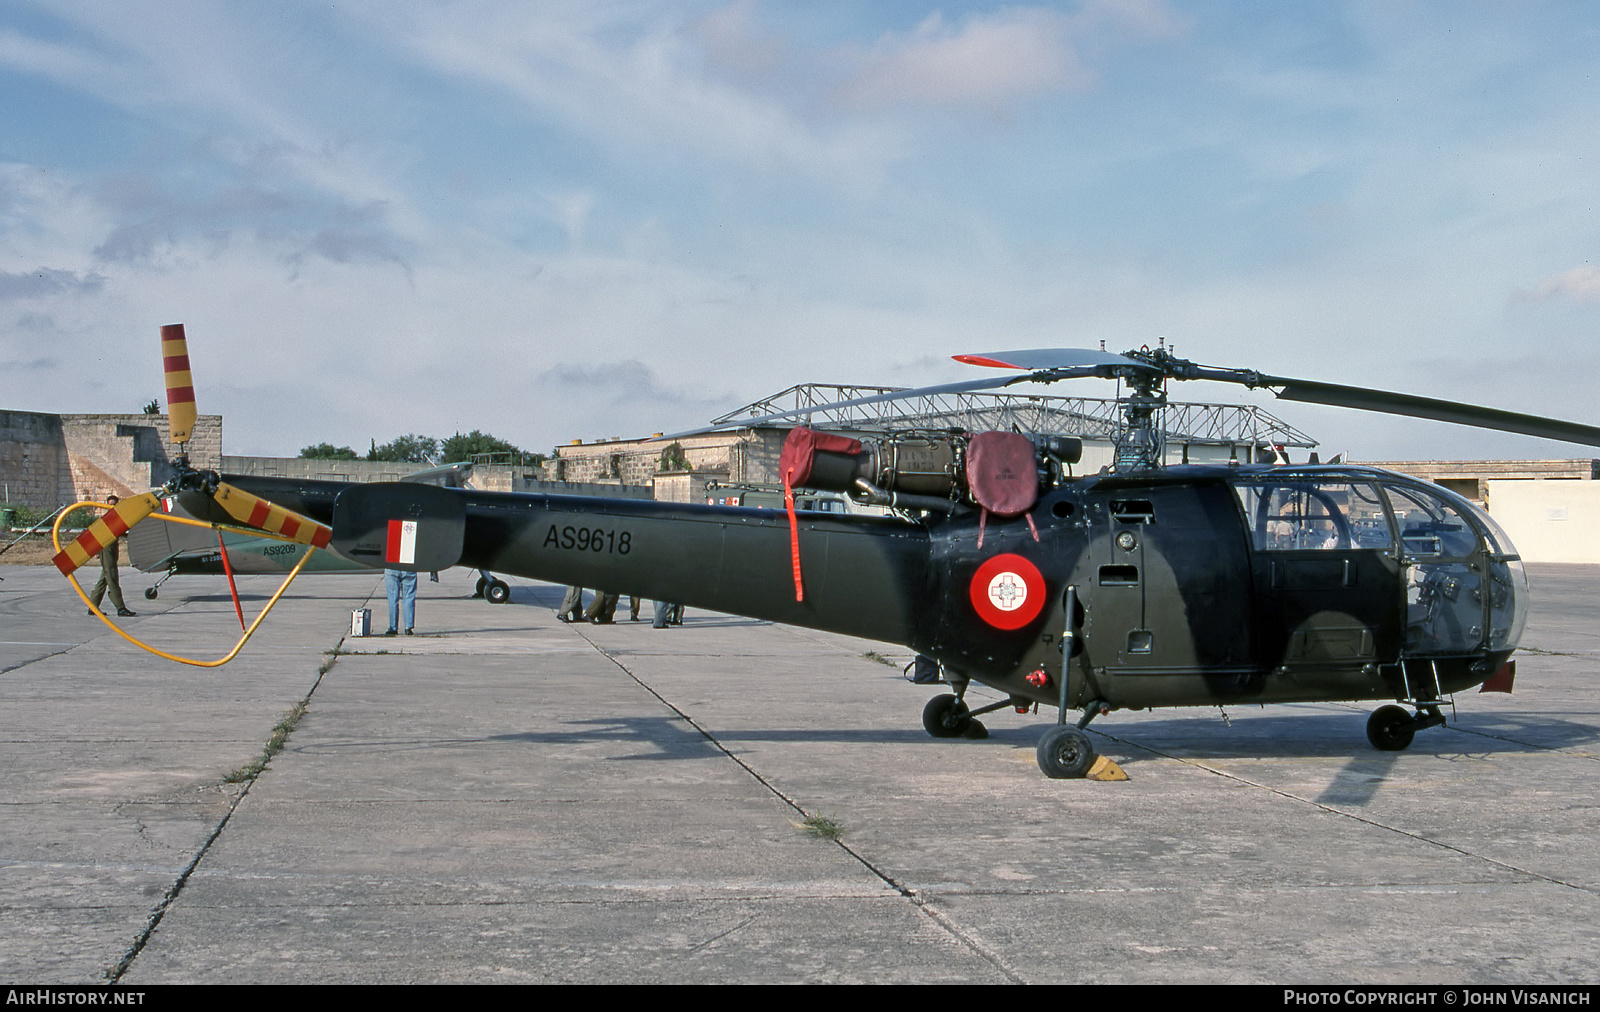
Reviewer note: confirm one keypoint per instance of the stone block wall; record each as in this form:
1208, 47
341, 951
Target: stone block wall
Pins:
321, 470
47, 459
129, 454
33, 459
636, 462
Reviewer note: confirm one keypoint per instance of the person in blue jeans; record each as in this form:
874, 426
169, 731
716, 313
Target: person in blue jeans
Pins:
400, 586
667, 613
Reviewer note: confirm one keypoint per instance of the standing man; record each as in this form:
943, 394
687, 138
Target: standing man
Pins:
400, 585
109, 583
603, 609
572, 605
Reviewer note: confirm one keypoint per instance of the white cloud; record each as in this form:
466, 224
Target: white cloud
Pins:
1580, 284
59, 62
986, 61
995, 60
733, 40
625, 77
1148, 18
551, 220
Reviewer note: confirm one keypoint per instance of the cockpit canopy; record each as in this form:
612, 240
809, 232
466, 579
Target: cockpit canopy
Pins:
1447, 544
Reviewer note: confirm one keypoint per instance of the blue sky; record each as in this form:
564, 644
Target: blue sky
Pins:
566, 220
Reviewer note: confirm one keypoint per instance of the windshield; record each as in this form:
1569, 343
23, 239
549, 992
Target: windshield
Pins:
1466, 586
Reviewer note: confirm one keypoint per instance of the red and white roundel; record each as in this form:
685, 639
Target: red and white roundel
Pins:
1008, 591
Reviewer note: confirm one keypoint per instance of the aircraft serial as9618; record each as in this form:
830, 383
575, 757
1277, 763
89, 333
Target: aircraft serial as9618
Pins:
1140, 586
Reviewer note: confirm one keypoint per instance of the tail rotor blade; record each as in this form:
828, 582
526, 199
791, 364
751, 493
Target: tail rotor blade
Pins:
255, 511
104, 531
181, 410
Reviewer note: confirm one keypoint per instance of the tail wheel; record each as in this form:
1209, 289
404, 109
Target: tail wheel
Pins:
1065, 753
1391, 728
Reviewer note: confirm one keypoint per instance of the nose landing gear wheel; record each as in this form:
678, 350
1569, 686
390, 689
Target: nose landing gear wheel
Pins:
1065, 753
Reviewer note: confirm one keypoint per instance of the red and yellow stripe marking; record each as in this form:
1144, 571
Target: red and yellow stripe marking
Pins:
257, 512
100, 534
181, 410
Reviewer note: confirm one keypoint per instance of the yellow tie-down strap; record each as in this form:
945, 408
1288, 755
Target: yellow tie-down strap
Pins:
55, 537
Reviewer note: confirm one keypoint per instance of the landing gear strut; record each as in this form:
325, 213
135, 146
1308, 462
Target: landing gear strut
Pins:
152, 591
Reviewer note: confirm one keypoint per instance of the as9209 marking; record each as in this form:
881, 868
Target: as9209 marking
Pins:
590, 539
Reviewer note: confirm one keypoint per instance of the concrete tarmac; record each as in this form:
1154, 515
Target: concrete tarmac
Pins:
504, 798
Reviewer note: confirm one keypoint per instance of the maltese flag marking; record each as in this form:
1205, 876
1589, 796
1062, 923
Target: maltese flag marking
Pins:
1008, 591
402, 546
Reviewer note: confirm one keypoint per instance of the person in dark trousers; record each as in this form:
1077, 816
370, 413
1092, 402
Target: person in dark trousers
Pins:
603, 609
572, 605
109, 583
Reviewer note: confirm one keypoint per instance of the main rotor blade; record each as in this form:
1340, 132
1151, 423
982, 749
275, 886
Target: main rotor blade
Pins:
1427, 407
100, 534
181, 410
1051, 358
255, 511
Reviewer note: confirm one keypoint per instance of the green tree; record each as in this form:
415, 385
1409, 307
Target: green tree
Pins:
413, 449
153, 408
327, 451
459, 447
673, 458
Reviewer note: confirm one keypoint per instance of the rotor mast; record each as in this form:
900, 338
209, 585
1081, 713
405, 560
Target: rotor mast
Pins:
1140, 445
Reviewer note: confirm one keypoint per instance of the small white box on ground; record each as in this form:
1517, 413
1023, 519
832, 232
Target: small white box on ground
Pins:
361, 622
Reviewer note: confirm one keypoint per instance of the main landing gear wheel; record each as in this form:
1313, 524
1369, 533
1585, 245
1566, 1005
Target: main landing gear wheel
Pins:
947, 717
1391, 728
497, 592
483, 584
1065, 753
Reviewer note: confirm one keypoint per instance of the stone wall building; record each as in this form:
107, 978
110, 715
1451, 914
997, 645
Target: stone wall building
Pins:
1471, 478
485, 477
678, 469
47, 460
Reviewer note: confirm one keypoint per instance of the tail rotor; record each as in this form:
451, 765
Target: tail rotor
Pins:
218, 501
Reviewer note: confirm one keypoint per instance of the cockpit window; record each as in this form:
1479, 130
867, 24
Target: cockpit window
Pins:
1429, 526
1499, 544
1315, 515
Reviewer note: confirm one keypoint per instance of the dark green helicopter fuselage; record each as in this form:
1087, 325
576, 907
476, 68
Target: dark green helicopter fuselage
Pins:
1194, 585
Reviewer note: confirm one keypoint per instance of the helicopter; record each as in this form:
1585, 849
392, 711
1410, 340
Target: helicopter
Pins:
183, 550
1141, 586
